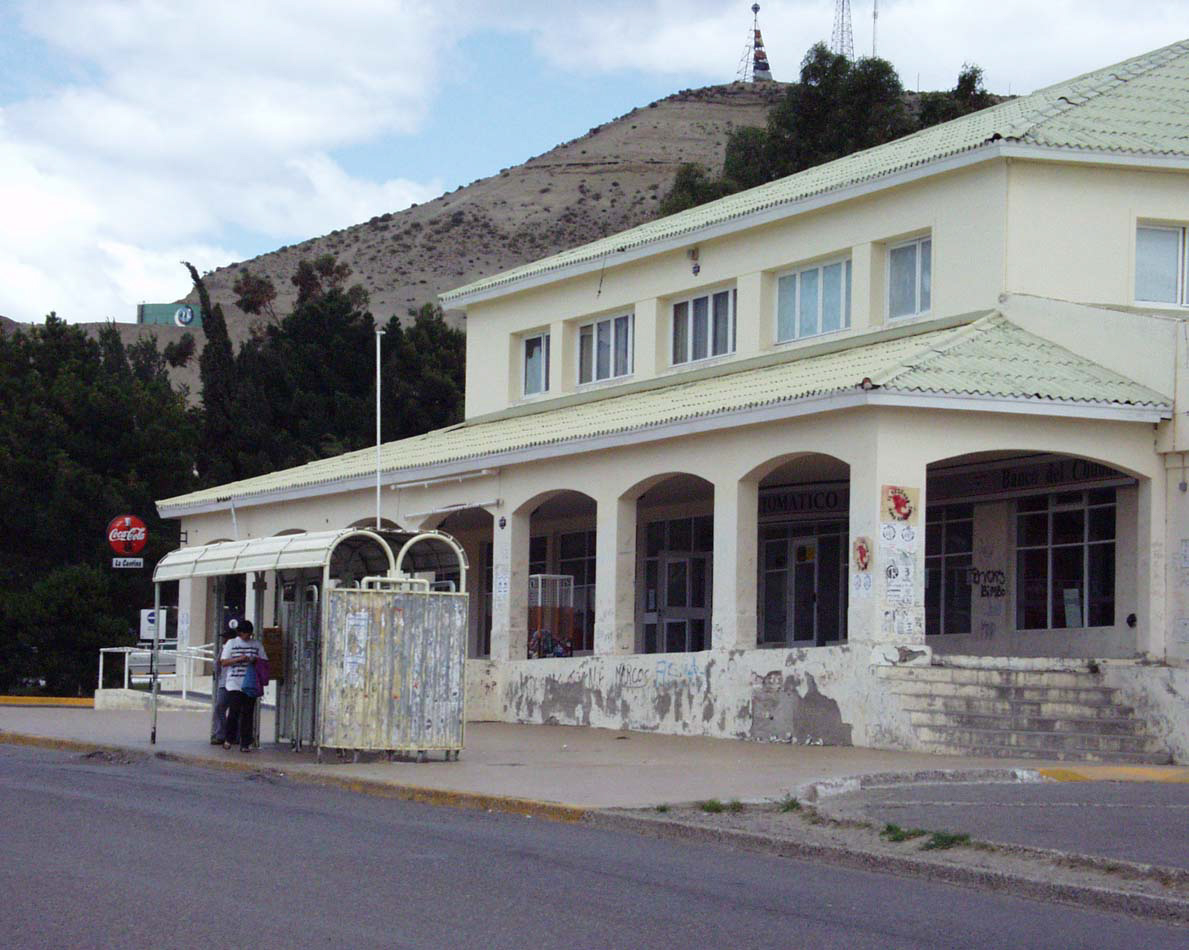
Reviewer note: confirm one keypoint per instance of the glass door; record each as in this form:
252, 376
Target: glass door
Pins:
677, 610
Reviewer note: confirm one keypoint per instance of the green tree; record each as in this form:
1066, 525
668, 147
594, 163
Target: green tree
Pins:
89, 429
969, 95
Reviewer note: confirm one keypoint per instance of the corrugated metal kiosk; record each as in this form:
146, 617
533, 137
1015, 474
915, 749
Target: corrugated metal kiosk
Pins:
388, 674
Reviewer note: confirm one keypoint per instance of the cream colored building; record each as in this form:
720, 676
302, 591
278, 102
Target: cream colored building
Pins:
886, 453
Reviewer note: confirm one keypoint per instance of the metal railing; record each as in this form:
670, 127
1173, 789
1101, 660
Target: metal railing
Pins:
184, 661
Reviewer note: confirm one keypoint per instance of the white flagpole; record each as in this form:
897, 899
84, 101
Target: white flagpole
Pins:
379, 333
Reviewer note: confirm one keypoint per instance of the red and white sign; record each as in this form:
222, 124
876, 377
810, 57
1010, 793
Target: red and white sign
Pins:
127, 535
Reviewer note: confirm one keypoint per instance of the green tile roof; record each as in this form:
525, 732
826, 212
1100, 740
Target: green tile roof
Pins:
1138, 107
989, 357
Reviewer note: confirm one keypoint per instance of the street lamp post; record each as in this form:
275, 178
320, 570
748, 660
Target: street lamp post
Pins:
379, 333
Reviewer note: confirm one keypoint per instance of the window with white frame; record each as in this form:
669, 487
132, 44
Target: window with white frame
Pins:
1065, 560
536, 364
949, 558
704, 327
910, 278
813, 300
605, 349
1161, 265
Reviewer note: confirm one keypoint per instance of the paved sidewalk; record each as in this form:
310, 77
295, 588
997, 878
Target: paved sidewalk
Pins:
588, 768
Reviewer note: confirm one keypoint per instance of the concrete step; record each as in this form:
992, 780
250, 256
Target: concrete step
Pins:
1040, 741
1055, 755
1103, 695
1013, 722
991, 677
1005, 707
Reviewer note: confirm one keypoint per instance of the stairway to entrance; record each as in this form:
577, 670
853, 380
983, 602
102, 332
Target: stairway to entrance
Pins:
1030, 714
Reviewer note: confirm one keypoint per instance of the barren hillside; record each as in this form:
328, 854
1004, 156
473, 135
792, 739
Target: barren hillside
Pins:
609, 179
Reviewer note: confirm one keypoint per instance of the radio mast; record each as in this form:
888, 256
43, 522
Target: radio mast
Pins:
753, 65
843, 39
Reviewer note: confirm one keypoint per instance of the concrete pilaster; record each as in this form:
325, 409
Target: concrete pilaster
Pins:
509, 601
736, 529
1152, 620
615, 585
887, 599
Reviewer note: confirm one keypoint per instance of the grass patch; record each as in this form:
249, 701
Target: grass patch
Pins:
941, 840
787, 804
734, 806
896, 833
712, 806
662, 808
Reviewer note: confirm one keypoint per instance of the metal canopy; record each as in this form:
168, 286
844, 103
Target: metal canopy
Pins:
309, 549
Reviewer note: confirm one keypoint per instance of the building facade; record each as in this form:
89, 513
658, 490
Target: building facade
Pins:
911, 417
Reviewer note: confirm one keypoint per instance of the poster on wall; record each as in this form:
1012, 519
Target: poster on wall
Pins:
899, 546
901, 504
861, 553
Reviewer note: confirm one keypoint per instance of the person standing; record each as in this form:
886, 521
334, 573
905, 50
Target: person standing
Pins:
238, 653
219, 721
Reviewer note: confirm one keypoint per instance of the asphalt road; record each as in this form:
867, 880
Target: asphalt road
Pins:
99, 853
1136, 821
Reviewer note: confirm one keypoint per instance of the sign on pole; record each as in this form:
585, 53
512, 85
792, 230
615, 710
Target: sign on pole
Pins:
127, 562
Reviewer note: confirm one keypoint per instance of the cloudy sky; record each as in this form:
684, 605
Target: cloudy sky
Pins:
137, 133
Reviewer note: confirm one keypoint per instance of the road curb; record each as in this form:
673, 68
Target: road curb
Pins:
44, 702
1148, 906
552, 811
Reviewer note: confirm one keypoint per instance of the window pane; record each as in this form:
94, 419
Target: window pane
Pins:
786, 307
775, 607
602, 349
831, 297
700, 331
1032, 530
697, 582
650, 638
957, 594
1102, 524
808, 305
1157, 252
681, 535
933, 539
676, 584
656, 538
697, 635
776, 555
1068, 588
846, 312
681, 332
722, 324
1069, 527
704, 533
1032, 586
1101, 585
926, 275
585, 354
902, 281
959, 537
1035, 503
675, 636
534, 365
571, 546
650, 585
623, 337
932, 596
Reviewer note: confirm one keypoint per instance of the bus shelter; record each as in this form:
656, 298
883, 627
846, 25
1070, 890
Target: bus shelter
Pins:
372, 630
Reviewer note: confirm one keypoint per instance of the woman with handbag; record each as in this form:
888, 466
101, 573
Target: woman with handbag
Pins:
239, 657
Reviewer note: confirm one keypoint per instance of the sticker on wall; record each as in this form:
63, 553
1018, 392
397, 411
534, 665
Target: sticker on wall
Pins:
861, 551
900, 503
861, 584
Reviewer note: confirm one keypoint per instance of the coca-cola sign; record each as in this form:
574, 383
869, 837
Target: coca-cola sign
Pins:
127, 534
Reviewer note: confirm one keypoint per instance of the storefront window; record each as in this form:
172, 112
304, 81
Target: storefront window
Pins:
949, 543
677, 578
803, 583
576, 557
1065, 560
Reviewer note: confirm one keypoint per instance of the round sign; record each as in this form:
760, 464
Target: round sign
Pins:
127, 535
183, 316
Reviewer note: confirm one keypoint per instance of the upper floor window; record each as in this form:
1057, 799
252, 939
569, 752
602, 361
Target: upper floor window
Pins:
536, 364
813, 301
1161, 266
605, 349
704, 327
910, 278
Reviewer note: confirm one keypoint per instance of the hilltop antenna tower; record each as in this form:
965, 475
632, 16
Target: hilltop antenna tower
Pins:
875, 28
753, 64
843, 39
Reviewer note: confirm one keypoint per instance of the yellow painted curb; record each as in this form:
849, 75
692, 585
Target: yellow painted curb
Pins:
552, 811
80, 702
1118, 773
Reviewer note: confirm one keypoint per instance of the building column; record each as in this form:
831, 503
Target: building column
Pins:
509, 581
192, 597
615, 576
887, 553
736, 530
1154, 639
